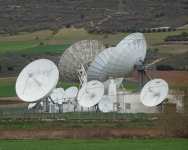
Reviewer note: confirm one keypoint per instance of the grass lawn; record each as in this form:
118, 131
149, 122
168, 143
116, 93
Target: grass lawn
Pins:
94, 144
20, 33
58, 124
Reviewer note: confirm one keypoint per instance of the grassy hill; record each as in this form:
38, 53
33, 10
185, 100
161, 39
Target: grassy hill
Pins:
45, 14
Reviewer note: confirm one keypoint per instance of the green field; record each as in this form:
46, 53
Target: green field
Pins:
26, 43
40, 49
94, 145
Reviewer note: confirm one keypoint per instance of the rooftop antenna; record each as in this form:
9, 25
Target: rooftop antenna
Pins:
76, 60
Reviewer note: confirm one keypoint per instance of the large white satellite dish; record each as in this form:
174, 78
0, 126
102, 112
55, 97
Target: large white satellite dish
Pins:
154, 92
37, 80
90, 94
57, 95
76, 60
31, 105
97, 69
70, 94
105, 104
126, 55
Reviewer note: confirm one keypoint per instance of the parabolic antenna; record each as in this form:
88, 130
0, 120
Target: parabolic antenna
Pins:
97, 69
70, 94
90, 94
37, 80
105, 105
126, 54
154, 92
57, 95
76, 60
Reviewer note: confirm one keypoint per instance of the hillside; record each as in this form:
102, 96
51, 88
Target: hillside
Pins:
44, 14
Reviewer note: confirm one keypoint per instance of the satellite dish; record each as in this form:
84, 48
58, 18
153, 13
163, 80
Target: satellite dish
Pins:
126, 55
90, 94
57, 95
37, 80
154, 92
70, 94
76, 60
118, 82
105, 105
97, 69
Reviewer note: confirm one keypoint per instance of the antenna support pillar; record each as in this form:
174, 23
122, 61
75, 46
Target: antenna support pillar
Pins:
140, 80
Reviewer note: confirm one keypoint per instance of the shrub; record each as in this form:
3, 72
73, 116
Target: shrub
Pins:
23, 54
153, 30
169, 29
164, 68
41, 43
53, 33
156, 49
164, 29
149, 31
128, 30
9, 68
174, 29
106, 36
183, 34
68, 25
143, 30
133, 30
82, 16
139, 30
37, 38
0, 68
159, 30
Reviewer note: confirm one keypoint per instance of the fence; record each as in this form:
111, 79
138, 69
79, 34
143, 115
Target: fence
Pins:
25, 113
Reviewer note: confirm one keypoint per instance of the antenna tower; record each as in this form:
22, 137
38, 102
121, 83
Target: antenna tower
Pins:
120, 6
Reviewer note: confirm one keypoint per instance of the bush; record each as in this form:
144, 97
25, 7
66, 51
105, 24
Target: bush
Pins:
164, 29
174, 29
183, 34
139, 30
23, 54
0, 68
128, 30
9, 68
149, 31
68, 25
133, 30
159, 30
106, 36
37, 38
164, 68
169, 29
53, 33
153, 30
143, 30
156, 49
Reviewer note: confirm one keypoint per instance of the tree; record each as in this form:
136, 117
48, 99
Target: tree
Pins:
68, 25
82, 16
156, 49
153, 30
174, 120
164, 29
143, 30
184, 34
15, 31
169, 29
149, 31
159, 30
174, 29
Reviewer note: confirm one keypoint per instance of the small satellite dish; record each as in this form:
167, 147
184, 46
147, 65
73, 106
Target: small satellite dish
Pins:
70, 94
154, 92
129, 52
97, 69
105, 105
37, 80
90, 94
76, 60
57, 95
